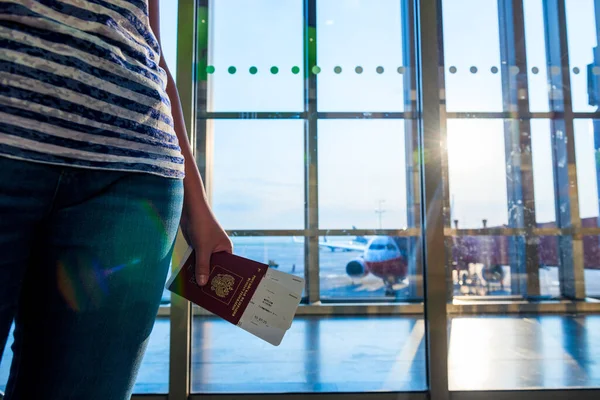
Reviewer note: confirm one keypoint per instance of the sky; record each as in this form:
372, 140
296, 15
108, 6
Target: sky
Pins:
258, 180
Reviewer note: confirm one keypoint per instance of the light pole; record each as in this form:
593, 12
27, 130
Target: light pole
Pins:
379, 211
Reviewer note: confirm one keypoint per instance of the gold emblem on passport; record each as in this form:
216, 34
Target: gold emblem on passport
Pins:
222, 285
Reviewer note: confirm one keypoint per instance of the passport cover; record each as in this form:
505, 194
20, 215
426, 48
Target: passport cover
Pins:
231, 284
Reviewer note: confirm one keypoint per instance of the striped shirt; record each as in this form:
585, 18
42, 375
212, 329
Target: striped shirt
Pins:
80, 85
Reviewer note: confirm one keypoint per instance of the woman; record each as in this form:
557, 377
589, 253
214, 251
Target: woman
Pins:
96, 175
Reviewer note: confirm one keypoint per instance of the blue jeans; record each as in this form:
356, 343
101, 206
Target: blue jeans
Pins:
84, 256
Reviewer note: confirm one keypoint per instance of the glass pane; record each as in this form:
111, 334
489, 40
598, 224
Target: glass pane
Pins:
368, 267
543, 175
549, 256
362, 174
311, 359
253, 48
586, 151
472, 56
361, 55
591, 259
536, 352
537, 69
258, 173
366, 189
283, 253
583, 42
153, 376
477, 194
481, 266
168, 33
382, 354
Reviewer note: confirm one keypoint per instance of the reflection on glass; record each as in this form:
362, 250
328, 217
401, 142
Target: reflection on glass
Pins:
362, 174
537, 69
472, 42
516, 353
153, 376
480, 266
258, 174
355, 267
591, 260
396, 348
332, 355
549, 256
477, 172
583, 42
366, 34
227, 359
6, 360
263, 41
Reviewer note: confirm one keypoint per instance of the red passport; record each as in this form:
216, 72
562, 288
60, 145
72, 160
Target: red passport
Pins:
232, 282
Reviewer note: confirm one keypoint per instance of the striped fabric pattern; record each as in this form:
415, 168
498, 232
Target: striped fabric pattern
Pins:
80, 85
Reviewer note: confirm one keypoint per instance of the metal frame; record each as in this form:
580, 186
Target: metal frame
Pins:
180, 327
432, 211
449, 241
311, 174
509, 305
566, 394
579, 394
315, 396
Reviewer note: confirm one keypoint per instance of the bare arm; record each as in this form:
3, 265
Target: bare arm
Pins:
199, 225
193, 181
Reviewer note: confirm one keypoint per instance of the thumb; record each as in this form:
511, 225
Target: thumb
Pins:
202, 267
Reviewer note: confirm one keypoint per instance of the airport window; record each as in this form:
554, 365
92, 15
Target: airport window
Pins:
532, 235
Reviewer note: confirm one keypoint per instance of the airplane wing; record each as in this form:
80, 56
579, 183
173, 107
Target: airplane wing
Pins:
342, 246
348, 246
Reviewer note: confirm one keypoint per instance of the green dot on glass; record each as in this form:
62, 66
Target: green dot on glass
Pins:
316, 69
274, 70
253, 70
232, 70
210, 69
295, 70
337, 70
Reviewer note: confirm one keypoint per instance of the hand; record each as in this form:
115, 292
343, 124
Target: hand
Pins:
204, 234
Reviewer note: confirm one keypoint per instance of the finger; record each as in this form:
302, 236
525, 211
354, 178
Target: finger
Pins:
202, 268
